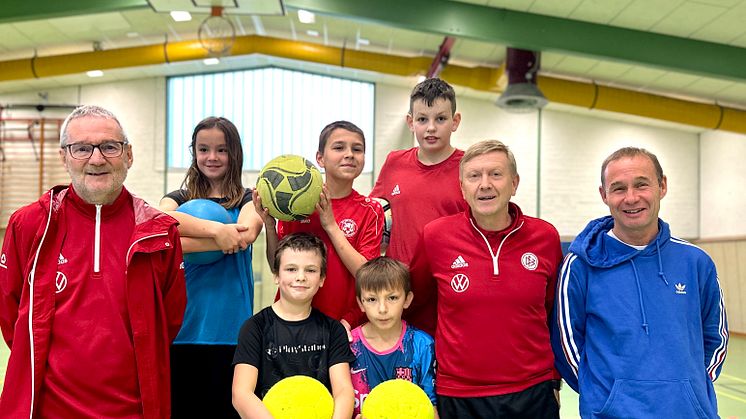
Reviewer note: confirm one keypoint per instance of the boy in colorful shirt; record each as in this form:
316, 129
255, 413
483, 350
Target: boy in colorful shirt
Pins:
387, 347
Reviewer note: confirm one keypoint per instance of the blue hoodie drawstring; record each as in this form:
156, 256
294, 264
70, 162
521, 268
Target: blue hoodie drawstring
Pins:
660, 262
639, 296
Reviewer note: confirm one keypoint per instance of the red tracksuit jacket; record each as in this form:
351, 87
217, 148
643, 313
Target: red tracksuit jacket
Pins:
155, 300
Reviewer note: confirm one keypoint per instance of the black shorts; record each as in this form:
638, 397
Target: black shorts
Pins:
537, 402
201, 381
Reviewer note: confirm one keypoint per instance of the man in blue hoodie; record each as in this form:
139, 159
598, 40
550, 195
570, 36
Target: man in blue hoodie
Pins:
640, 329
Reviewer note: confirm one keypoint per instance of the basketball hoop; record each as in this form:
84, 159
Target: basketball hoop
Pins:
216, 33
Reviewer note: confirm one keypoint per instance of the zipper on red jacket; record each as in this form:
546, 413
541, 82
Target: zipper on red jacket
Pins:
31, 305
495, 268
97, 241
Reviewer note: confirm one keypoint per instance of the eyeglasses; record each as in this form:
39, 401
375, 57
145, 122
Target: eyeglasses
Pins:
82, 151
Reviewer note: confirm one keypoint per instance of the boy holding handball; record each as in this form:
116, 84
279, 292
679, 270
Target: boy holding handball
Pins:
349, 224
292, 338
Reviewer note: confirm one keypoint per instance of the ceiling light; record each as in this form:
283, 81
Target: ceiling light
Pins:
181, 16
94, 73
304, 16
363, 41
521, 98
211, 61
421, 79
522, 94
132, 34
312, 32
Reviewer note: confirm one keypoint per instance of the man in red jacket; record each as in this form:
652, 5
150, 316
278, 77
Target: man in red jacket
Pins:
91, 288
492, 272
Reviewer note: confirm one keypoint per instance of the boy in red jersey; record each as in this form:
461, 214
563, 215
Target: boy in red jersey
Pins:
421, 183
494, 271
349, 224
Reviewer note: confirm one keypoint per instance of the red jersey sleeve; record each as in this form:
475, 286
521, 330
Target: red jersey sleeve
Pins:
11, 280
371, 234
174, 291
556, 260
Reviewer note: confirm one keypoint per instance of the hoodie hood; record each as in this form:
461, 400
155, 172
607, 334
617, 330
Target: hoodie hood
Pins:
594, 246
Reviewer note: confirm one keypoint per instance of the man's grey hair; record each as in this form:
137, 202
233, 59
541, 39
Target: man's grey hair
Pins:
484, 147
89, 110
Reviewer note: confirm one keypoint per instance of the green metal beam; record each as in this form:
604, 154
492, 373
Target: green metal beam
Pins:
20, 10
542, 33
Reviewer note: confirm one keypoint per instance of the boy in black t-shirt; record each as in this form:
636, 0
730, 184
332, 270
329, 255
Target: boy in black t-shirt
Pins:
290, 337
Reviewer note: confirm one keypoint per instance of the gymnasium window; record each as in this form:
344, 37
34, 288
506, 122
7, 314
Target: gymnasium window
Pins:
276, 111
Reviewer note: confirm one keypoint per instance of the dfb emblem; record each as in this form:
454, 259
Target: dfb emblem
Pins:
529, 261
460, 283
348, 227
60, 282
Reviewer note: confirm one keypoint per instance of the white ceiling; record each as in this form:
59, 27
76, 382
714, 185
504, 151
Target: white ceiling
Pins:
719, 21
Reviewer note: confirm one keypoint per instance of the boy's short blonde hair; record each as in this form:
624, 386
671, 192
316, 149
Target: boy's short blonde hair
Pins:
382, 273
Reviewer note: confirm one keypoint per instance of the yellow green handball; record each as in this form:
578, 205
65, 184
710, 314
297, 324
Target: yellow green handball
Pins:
299, 397
289, 186
397, 399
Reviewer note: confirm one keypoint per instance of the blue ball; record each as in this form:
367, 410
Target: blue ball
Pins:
206, 210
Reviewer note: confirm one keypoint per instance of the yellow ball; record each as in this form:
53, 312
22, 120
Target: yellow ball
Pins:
397, 399
299, 397
289, 186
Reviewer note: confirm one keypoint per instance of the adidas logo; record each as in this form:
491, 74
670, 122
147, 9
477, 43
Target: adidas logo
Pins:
61, 260
459, 263
680, 288
396, 190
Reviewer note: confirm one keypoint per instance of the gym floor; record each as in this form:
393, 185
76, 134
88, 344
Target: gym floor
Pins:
730, 386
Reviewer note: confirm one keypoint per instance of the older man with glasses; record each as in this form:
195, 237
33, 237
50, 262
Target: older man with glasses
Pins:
91, 288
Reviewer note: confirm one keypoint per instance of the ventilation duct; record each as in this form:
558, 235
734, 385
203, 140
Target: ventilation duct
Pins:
522, 95
569, 92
